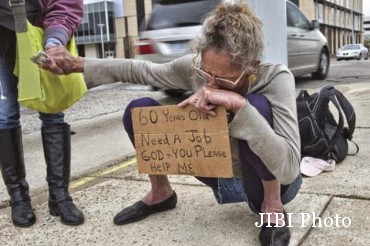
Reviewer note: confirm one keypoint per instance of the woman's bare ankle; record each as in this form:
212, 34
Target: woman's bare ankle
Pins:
157, 197
272, 213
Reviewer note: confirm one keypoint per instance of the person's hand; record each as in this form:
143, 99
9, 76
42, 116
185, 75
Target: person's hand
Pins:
206, 99
60, 61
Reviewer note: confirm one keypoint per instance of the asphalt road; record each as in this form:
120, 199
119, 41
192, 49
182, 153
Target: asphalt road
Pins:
340, 72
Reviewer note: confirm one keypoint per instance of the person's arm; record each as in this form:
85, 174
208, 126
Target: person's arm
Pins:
61, 19
278, 147
177, 74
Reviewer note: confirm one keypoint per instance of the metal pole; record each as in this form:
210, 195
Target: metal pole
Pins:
353, 22
101, 37
273, 16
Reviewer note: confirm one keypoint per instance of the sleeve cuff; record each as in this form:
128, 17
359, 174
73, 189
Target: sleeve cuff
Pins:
52, 42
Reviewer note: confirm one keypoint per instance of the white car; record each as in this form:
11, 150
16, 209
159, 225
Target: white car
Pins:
352, 51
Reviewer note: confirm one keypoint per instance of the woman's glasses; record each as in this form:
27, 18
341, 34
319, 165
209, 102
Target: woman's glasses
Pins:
223, 83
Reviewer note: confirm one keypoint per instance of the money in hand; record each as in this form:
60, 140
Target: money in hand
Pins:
40, 58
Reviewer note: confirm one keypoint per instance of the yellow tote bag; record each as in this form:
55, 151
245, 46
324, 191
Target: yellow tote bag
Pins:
39, 89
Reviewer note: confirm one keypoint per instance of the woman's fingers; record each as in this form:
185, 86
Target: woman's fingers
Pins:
61, 61
184, 103
198, 100
52, 67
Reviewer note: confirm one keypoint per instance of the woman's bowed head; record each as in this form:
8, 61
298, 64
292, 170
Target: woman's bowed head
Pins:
225, 71
225, 85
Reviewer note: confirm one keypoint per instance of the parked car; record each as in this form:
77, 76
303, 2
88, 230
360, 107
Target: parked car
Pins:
308, 49
174, 25
352, 51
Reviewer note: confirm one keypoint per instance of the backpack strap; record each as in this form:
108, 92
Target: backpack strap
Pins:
19, 13
328, 93
348, 110
350, 114
357, 148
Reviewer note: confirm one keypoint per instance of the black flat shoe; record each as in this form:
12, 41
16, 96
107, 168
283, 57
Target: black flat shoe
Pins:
140, 210
275, 236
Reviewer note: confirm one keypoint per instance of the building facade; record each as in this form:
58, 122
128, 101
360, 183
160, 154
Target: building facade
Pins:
367, 28
341, 21
96, 36
110, 28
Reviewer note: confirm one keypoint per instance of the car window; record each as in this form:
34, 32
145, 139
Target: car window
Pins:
351, 47
180, 13
295, 18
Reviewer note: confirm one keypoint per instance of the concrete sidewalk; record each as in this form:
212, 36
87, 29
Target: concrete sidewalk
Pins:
197, 219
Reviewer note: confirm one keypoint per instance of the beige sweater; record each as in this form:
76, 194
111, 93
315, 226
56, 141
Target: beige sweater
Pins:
278, 147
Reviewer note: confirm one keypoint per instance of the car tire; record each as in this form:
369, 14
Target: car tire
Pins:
338, 59
367, 56
323, 69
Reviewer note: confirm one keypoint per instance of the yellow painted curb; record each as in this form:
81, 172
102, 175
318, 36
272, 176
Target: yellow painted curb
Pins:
85, 180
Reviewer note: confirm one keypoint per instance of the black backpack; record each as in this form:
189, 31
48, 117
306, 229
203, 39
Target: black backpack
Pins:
323, 135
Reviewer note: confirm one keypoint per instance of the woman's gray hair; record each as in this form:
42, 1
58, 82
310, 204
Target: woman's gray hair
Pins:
235, 29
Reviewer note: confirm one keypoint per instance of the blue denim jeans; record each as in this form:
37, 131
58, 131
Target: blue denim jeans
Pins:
9, 106
231, 190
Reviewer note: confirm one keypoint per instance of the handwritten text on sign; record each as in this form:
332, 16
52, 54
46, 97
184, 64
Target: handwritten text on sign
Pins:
173, 140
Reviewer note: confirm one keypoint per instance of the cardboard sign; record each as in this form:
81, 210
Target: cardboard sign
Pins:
182, 141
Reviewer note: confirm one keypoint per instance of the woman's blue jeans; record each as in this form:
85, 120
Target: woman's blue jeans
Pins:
9, 106
249, 188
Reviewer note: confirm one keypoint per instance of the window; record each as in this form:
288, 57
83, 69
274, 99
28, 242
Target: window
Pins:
96, 13
320, 13
169, 14
296, 18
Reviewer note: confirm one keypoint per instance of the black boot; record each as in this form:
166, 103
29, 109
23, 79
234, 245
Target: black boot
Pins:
56, 140
14, 174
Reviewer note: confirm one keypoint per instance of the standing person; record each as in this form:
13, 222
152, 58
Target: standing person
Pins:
60, 19
260, 100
